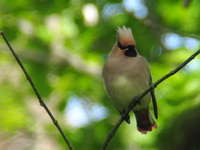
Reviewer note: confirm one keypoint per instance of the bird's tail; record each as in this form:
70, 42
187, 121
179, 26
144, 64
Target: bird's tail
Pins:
144, 120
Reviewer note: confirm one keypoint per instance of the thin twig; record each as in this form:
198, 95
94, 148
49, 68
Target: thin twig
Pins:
136, 99
42, 103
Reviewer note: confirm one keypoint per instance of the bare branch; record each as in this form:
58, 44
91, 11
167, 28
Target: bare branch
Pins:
139, 97
42, 103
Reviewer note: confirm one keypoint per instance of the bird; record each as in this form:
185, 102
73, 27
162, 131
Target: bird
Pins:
126, 74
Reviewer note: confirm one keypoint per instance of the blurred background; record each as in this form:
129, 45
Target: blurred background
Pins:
64, 43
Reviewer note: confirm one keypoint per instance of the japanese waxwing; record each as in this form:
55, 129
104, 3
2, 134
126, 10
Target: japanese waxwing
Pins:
126, 74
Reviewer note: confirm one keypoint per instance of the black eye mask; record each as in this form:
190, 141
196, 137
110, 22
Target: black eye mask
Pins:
130, 50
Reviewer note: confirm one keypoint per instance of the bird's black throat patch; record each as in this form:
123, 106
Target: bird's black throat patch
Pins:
131, 53
130, 50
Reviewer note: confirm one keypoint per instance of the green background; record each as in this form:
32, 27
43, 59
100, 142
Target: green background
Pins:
63, 45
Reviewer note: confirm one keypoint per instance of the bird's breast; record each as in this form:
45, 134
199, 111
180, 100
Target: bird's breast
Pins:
125, 79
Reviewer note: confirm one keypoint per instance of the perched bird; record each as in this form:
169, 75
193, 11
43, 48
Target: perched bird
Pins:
126, 74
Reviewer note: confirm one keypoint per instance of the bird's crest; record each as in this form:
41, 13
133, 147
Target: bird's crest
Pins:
125, 36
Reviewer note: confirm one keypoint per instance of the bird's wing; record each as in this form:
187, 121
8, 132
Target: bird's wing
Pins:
153, 98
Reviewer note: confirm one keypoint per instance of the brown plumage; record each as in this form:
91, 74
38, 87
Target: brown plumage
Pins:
126, 74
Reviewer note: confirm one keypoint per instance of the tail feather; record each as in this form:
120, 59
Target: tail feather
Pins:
144, 121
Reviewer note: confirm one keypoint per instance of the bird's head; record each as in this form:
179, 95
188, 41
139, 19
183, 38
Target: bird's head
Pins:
126, 42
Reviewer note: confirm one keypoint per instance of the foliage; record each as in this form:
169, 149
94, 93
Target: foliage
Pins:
64, 53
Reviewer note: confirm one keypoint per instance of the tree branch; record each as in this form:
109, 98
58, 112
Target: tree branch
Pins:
42, 103
136, 99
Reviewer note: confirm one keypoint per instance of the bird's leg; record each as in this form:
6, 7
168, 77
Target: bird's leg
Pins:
126, 118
